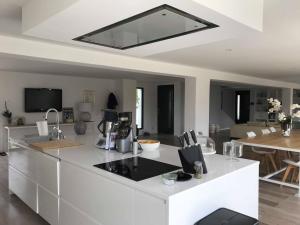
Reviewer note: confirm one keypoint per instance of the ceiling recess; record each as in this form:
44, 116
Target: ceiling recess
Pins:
157, 24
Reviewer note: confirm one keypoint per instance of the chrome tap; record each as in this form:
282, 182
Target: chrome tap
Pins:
59, 132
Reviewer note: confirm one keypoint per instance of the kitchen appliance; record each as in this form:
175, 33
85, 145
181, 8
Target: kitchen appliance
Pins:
124, 136
109, 119
137, 168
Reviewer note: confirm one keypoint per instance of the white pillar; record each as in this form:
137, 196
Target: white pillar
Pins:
287, 99
196, 106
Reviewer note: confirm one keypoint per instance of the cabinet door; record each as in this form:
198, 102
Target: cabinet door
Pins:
23, 160
47, 172
48, 206
149, 210
71, 216
108, 202
23, 187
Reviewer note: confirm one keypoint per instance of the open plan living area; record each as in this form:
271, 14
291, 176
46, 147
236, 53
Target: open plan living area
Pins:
149, 112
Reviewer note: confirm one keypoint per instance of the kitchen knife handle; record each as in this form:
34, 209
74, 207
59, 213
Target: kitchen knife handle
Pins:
193, 134
181, 141
186, 137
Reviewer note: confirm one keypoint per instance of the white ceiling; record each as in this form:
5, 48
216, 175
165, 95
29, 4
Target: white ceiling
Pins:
25, 65
273, 54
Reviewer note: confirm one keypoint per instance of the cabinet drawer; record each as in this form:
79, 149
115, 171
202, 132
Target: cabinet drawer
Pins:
71, 216
23, 160
48, 206
23, 187
104, 200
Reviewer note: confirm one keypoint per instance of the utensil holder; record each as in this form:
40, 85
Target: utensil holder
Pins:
189, 155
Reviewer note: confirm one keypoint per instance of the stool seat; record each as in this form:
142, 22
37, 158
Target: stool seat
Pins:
224, 216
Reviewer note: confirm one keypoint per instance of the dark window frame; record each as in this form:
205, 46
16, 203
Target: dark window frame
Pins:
142, 116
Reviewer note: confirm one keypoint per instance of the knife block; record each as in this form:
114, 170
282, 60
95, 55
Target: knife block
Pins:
188, 156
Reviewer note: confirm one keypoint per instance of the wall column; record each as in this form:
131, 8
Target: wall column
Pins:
196, 106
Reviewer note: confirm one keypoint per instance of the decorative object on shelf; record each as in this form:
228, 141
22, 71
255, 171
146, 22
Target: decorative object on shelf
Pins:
80, 128
68, 115
112, 101
20, 121
85, 109
89, 96
7, 114
284, 119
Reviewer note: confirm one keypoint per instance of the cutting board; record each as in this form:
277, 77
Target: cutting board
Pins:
55, 144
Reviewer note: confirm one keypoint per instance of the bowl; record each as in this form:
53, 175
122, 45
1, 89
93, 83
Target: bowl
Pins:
169, 178
149, 145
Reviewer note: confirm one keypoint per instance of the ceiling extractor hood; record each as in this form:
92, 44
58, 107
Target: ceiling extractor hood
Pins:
157, 24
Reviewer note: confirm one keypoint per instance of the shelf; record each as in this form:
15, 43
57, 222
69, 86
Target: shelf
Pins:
34, 125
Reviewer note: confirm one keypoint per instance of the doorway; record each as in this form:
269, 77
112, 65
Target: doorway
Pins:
242, 99
165, 109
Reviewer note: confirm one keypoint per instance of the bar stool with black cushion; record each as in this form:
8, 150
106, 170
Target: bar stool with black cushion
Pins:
227, 217
265, 155
292, 169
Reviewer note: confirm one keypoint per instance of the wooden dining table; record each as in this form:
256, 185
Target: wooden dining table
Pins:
279, 142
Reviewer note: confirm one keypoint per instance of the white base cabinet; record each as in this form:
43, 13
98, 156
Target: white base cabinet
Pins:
108, 202
23, 187
33, 177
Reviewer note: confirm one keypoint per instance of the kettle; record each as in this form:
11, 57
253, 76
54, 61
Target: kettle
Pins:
110, 117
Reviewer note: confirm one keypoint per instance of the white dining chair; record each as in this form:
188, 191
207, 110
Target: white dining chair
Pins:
265, 154
292, 167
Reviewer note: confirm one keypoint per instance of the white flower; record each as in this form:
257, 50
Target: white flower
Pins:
297, 114
295, 106
281, 116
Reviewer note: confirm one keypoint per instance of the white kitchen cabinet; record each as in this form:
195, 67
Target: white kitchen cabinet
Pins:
23, 187
149, 210
71, 216
48, 206
107, 202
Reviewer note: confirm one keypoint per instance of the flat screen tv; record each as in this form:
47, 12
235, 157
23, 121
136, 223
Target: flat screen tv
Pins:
42, 99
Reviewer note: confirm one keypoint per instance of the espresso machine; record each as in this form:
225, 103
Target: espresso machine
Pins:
124, 135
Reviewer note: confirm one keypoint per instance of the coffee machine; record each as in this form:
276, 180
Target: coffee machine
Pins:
124, 135
109, 119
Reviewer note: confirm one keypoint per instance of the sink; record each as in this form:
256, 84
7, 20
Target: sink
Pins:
33, 138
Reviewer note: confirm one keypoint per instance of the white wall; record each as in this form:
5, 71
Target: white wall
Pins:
216, 114
150, 105
12, 89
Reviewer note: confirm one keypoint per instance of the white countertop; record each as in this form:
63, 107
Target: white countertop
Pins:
87, 155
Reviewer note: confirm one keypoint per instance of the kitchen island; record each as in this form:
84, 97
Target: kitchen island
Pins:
65, 188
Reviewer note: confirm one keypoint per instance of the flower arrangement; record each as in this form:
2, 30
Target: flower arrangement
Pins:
7, 114
275, 106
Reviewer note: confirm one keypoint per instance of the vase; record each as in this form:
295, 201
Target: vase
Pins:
80, 128
286, 129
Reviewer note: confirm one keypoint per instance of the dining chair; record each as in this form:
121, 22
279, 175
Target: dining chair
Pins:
292, 167
265, 155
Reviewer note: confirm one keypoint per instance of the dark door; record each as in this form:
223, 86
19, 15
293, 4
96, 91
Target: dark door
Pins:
242, 106
165, 109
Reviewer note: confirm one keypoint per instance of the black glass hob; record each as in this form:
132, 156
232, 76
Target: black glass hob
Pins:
137, 168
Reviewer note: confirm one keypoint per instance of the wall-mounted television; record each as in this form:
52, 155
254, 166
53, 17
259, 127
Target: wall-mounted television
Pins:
42, 99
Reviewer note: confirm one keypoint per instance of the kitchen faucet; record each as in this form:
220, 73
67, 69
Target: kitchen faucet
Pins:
59, 132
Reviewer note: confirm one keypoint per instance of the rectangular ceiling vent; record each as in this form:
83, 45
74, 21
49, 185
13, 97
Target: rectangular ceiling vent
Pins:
157, 24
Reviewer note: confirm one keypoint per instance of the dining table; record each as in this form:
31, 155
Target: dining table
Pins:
277, 142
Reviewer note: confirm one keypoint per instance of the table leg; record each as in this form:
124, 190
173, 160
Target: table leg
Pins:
298, 193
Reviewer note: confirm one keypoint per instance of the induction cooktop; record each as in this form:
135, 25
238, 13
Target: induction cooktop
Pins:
137, 168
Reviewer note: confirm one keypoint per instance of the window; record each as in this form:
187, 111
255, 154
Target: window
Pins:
140, 108
238, 106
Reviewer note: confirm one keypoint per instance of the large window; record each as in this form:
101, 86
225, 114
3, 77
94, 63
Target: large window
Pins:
140, 108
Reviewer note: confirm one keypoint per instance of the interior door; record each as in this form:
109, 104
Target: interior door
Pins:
165, 109
242, 106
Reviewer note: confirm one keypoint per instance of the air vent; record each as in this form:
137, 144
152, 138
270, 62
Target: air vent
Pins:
157, 24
